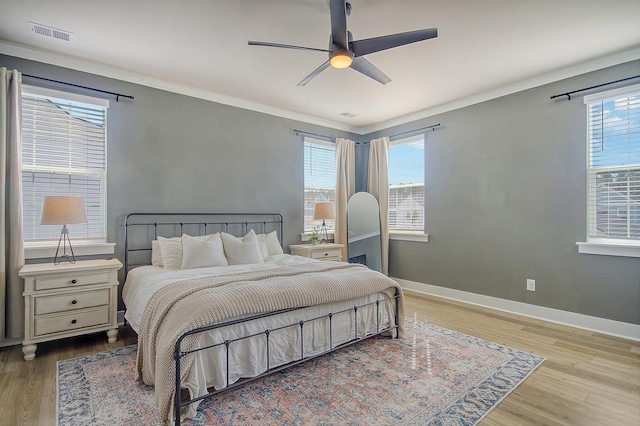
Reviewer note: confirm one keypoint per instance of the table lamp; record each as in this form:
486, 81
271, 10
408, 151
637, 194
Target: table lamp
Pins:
323, 211
63, 210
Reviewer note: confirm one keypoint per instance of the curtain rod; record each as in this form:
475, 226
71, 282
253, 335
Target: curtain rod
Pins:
432, 127
117, 95
302, 132
568, 94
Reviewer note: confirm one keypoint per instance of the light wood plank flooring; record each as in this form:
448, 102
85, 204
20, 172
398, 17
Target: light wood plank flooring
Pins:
587, 378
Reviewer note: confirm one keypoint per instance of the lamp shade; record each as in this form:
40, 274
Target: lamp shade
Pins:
323, 211
63, 211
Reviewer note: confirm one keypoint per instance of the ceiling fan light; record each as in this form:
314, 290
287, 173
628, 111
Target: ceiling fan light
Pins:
341, 60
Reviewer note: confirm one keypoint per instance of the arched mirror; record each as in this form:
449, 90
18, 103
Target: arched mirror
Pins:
363, 227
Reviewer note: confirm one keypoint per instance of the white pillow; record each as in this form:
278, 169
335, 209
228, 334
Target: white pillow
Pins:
242, 251
156, 254
269, 244
171, 251
202, 253
263, 248
272, 243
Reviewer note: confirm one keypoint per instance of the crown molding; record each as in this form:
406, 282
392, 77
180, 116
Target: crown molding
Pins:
551, 77
104, 70
24, 52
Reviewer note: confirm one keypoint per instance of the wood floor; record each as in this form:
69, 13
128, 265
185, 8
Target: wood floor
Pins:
587, 378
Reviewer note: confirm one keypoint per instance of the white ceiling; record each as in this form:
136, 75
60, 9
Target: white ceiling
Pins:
199, 47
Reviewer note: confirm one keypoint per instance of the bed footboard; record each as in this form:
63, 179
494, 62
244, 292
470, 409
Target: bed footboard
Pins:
391, 329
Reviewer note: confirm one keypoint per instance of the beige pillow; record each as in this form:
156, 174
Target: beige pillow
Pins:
242, 251
202, 253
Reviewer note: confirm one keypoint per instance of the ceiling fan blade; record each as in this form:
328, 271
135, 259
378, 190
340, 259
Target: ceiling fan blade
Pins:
338, 10
285, 46
360, 64
314, 74
376, 44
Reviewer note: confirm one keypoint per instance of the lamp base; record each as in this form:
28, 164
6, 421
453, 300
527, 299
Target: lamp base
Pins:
324, 232
64, 239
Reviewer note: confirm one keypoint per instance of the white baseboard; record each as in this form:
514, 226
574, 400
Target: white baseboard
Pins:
585, 322
10, 342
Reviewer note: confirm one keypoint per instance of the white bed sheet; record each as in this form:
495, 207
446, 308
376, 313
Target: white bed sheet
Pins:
247, 358
144, 281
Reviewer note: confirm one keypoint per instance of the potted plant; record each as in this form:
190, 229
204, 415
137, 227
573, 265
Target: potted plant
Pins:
315, 237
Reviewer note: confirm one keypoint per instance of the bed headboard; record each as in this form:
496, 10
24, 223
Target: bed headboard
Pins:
142, 228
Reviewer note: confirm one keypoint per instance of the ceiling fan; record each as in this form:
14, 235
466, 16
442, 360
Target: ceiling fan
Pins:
345, 52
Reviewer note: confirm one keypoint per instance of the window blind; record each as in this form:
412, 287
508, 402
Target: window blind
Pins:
63, 153
319, 178
614, 165
406, 184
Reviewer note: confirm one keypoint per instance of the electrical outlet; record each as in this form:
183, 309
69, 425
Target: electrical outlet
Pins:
531, 285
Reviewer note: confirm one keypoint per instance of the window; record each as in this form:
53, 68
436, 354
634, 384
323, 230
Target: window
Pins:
406, 184
613, 182
319, 178
63, 153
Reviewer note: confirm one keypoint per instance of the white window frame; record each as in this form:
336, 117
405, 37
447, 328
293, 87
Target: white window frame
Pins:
598, 244
91, 245
407, 234
309, 224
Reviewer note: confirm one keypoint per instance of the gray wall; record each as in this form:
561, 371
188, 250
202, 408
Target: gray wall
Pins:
506, 201
174, 153
505, 185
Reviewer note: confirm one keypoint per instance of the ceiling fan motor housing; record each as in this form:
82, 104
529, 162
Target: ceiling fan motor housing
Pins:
339, 57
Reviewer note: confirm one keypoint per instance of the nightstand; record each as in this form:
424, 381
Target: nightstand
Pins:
328, 251
69, 299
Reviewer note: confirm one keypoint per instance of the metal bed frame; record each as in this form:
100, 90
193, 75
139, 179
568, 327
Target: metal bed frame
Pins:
174, 224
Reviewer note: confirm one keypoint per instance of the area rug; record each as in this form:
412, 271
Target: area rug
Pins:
433, 376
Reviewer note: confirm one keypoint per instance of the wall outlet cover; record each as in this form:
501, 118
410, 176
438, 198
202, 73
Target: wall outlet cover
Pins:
531, 285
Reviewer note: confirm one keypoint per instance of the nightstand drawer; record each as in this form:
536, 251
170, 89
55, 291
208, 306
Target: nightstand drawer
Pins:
326, 254
71, 321
71, 280
328, 251
71, 301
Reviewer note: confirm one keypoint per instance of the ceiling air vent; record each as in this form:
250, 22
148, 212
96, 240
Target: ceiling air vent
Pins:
43, 30
347, 114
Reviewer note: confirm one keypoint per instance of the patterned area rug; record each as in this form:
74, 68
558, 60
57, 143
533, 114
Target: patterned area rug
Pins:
433, 376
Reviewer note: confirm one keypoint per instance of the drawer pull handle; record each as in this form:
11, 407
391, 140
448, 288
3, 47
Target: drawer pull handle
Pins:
73, 302
326, 254
74, 281
74, 321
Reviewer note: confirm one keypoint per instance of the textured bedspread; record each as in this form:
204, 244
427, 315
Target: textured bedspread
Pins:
190, 304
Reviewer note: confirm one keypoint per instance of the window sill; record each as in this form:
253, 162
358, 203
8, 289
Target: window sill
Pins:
609, 249
416, 236
304, 237
42, 249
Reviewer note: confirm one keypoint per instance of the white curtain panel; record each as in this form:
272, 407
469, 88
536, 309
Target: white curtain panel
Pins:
11, 246
345, 188
379, 188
